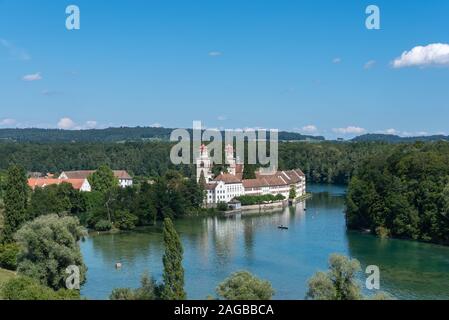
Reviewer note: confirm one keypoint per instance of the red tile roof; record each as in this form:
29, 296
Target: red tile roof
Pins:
227, 178
84, 174
42, 182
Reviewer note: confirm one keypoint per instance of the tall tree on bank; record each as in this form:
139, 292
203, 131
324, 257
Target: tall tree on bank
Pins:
173, 276
104, 182
103, 179
16, 199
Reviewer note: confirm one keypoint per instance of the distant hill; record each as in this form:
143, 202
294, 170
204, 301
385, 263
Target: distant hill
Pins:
391, 138
121, 134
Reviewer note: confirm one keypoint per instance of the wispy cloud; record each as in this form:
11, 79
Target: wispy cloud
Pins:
309, 129
222, 118
215, 53
349, 130
7, 122
436, 54
336, 60
14, 52
32, 77
370, 64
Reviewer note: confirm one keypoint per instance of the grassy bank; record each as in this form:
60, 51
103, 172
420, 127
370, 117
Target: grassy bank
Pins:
5, 275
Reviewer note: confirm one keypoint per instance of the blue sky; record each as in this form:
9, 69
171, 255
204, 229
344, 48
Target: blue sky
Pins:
309, 66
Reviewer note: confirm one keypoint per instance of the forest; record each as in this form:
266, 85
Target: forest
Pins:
323, 162
121, 134
403, 194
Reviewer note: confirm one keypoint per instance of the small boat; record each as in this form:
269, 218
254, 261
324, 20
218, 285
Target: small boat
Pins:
282, 227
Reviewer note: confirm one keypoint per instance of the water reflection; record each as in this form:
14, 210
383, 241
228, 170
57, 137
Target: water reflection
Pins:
215, 247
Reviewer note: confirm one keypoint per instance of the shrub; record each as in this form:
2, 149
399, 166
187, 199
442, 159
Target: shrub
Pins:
222, 206
8, 256
49, 244
124, 220
103, 225
242, 285
24, 288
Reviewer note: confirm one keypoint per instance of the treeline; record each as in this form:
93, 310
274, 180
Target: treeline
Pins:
324, 162
121, 134
328, 162
404, 193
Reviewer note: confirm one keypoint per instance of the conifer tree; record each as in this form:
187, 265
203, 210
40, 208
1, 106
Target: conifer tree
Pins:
16, 199
173, 276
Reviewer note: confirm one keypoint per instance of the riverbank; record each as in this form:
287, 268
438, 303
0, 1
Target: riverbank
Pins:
5, 275
215, 247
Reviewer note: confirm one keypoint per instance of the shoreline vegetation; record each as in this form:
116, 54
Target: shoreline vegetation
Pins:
394, 190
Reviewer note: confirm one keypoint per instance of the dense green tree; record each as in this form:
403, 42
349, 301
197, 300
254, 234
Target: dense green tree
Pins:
8, 256
339, 283
242, 285
249, 171
124, 220
292, 193
49, 244
25, 288
103, 179
401, 193
173, 276
16, 201
148, 290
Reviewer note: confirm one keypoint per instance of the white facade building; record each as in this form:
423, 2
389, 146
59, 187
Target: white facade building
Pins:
124, 179
227, 186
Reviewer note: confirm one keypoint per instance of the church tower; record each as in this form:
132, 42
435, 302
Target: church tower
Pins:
230, 160
203, 164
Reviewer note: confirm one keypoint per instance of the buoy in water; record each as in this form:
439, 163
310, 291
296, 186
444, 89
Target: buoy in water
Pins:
118, 265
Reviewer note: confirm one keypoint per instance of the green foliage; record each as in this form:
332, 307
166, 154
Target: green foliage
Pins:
292, 193
148, 290
24, 288
124, 220
8, 256
243, 285
173, 288
103, 179
122, 294
103, 225
16, 201
222, 206
49, 244
58, 199
252, 200
338, 283
249, 171
403, 194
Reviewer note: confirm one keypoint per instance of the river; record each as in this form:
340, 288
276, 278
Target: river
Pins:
215, 247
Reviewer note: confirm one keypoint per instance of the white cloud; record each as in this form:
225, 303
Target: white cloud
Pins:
14, 52
369, 64
421, 56
66, 124
336, 60
349, 130
222, 118
7, 122
32, 77
69, 124
389, 131
309, 129
91, 124
215, 53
